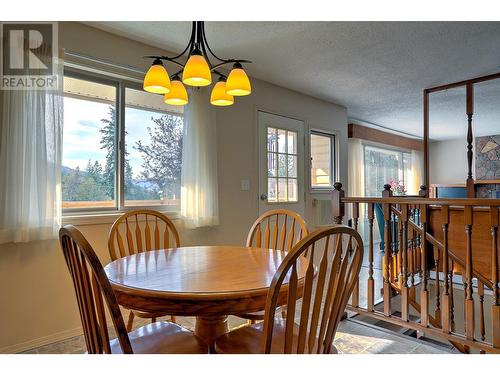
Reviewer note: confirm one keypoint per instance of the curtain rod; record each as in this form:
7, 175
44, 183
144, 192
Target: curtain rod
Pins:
103, 61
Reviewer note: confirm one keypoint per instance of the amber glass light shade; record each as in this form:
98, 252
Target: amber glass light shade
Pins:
238, 83
219, 96
177, 95
197, 72
156, 80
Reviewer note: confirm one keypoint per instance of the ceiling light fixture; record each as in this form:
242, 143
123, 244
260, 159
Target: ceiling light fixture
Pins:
197, 71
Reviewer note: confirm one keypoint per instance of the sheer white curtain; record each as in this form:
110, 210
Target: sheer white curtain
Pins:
417, 172
356, 172
356, 168
30, 163
199, 190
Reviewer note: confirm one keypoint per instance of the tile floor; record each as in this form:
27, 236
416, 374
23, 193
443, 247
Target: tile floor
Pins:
351, 338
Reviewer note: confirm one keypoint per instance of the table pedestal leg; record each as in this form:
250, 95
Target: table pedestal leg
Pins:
208, 328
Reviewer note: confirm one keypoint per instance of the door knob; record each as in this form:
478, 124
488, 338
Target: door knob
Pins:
263, 197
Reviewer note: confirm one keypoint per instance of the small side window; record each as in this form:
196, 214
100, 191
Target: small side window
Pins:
322, 160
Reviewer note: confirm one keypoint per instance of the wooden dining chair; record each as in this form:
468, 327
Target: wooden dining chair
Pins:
138, 231
95, 295
317, 301
275, 229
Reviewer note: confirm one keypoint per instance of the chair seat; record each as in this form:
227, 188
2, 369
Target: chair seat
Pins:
249, 340
162, 338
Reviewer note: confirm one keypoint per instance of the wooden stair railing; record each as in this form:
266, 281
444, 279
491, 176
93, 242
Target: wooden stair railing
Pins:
441, 238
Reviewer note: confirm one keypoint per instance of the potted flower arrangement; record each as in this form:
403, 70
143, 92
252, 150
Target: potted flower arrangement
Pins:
397, 187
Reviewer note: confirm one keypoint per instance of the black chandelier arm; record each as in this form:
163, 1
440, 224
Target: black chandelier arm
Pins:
190, 43
164, 58
230, 61
205, 42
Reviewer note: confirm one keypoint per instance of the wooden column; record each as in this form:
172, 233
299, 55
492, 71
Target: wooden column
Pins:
495, 308
355, 291
426, 141
471, 193
387, 256
424, 293
371, 282
338, 209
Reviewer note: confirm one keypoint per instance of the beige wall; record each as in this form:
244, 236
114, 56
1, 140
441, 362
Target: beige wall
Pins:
38, 304
448, 162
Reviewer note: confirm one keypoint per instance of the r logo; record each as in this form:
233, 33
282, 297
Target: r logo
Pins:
28, 50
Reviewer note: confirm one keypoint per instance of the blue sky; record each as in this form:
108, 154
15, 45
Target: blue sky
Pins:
82, 121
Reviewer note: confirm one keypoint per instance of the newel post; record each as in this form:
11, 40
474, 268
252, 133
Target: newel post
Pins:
422, 193
387, 192
338, 208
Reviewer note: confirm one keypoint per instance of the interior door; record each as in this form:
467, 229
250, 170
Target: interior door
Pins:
281, 163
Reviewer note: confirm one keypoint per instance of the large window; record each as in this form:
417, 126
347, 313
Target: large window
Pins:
99, 174
383, 165
322, 160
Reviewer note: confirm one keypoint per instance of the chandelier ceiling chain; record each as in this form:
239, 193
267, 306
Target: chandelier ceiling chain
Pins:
197, 71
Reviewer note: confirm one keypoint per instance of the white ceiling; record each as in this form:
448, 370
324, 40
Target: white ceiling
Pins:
375, 69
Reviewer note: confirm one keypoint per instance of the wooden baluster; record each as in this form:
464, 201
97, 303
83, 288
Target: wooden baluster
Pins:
387, 259
424, 293
469, 300
412, 264
445, 298
480, 292
371, 282
403, 250
355, 292
495, 308
436, 255
452, 291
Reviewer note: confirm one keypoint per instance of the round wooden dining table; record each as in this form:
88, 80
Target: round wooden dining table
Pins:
207, 282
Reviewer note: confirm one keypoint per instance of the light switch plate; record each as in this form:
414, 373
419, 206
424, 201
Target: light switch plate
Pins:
245, 185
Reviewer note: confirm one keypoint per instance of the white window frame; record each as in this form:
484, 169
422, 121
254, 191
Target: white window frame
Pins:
97, 215
333, 159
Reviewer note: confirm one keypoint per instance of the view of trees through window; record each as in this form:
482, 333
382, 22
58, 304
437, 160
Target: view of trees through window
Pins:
382, 165
152, 156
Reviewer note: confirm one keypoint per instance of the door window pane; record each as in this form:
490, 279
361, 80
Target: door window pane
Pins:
322, 160
153, 151
281, 163
89, 145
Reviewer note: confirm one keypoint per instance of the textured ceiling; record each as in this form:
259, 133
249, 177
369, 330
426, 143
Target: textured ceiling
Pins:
375, 69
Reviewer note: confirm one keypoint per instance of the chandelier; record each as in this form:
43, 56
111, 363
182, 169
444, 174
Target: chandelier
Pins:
197, 71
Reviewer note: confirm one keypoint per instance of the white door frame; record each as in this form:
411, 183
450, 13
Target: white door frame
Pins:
302, 196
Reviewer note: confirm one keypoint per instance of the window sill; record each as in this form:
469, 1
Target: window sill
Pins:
97, 218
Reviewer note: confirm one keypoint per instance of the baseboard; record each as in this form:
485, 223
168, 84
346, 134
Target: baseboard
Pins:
27, 345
